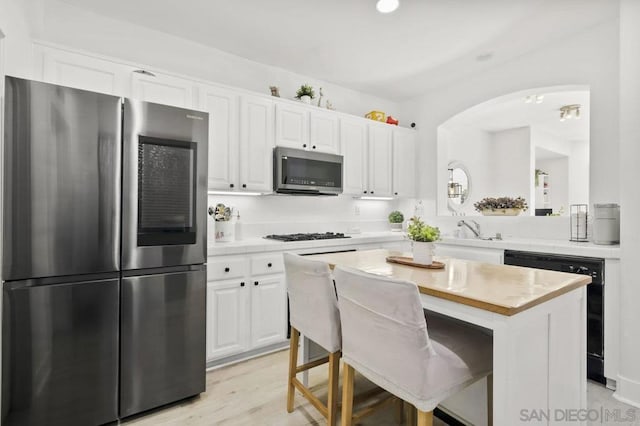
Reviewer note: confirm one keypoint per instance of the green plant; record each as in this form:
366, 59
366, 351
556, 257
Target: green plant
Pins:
421, 232
501, 203
305, 90
396, 217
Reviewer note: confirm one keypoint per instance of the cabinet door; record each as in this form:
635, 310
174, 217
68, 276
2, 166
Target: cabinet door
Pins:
404, 159
163, 89
227, 321
380, 160
353, 145
85, 72
323, 136
292, 126
268, 311
256, 144
223, 109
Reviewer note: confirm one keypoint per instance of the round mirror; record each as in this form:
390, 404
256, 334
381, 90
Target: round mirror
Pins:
458, 186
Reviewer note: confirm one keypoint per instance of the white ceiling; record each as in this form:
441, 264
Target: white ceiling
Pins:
511, 112
423, 44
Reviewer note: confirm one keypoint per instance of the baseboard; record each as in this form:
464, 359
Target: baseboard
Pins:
627, 391
245, 356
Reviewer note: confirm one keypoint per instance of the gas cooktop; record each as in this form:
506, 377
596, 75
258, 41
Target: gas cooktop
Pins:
306, 237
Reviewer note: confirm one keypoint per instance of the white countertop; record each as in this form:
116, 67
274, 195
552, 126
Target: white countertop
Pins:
256, 245
539, 245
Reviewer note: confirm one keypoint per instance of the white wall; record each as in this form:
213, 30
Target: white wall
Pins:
14, 16
579, 173
511, 164
589, 58
67, 25
472, 148
629, 373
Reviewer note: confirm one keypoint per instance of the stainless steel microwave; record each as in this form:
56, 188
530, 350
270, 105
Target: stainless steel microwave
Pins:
300, 172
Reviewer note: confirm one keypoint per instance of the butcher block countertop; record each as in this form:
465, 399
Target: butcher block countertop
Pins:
502, 289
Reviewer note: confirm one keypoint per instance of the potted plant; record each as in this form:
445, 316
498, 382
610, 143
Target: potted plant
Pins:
502, 206
395, 219
305, 93
423, 237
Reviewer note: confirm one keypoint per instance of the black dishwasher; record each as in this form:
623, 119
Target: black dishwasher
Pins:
591, 266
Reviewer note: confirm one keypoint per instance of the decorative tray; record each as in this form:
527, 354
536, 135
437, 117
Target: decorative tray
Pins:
409, 261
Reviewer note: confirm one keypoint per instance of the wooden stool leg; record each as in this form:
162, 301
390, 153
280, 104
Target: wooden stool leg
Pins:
293, 361
490, 399
399, 408
347, 395
425, 418
411, 415
332, 400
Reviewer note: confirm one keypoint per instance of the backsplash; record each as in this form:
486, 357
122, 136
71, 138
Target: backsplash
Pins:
286, 214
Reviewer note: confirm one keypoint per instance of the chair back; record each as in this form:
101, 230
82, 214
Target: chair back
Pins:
313, 305
384, 332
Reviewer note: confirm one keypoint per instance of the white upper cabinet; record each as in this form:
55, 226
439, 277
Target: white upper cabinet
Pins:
323, 127
353, 146
163, 89
305, 128
404, 161
84, 72
380, 150
256, 144
292, 126
224, 139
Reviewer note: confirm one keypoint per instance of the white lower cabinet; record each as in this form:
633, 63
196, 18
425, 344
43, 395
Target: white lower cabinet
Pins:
268, 311
226, 318
247, 311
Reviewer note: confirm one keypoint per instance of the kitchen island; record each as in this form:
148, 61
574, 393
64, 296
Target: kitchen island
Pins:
537, 319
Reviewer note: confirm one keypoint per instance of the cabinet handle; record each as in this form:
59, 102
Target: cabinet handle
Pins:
365, 192
372, 192
314, 147
242, 284
304, 145
395, 193
227, 269
230, 185
255, 283
269, 264
244, 185
145, 72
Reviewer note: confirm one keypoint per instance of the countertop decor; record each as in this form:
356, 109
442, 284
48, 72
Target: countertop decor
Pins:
501, 206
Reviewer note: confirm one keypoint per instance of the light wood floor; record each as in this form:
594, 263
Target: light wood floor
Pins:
253, 393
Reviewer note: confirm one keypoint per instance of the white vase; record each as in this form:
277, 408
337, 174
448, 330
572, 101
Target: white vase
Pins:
396, 227
423, 253
306, 99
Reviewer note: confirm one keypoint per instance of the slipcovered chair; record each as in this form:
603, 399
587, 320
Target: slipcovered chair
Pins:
385, 338
314, 312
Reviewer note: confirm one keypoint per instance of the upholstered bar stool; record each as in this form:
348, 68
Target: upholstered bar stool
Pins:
385, 338
314, 312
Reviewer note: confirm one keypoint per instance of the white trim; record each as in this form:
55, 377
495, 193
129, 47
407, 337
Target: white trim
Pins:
628, 391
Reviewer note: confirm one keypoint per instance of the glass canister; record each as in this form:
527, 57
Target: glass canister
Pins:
579, 214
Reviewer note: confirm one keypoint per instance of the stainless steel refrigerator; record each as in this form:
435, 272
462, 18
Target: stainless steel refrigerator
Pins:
104, 242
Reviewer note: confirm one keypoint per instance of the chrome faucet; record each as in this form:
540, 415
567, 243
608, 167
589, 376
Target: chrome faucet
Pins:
476, 230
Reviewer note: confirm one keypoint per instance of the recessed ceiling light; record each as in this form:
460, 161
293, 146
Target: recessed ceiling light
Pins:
387, 6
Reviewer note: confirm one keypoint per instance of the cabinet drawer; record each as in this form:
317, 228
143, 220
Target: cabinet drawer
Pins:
221, 269
267, 264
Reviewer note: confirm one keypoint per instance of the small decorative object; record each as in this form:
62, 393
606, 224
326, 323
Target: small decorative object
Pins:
320, 97
391, 120
305, 93
330, 106
395, 219
376, 116
275, 91
578, 214
502, 206
224, 229
538, 173
423, 237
